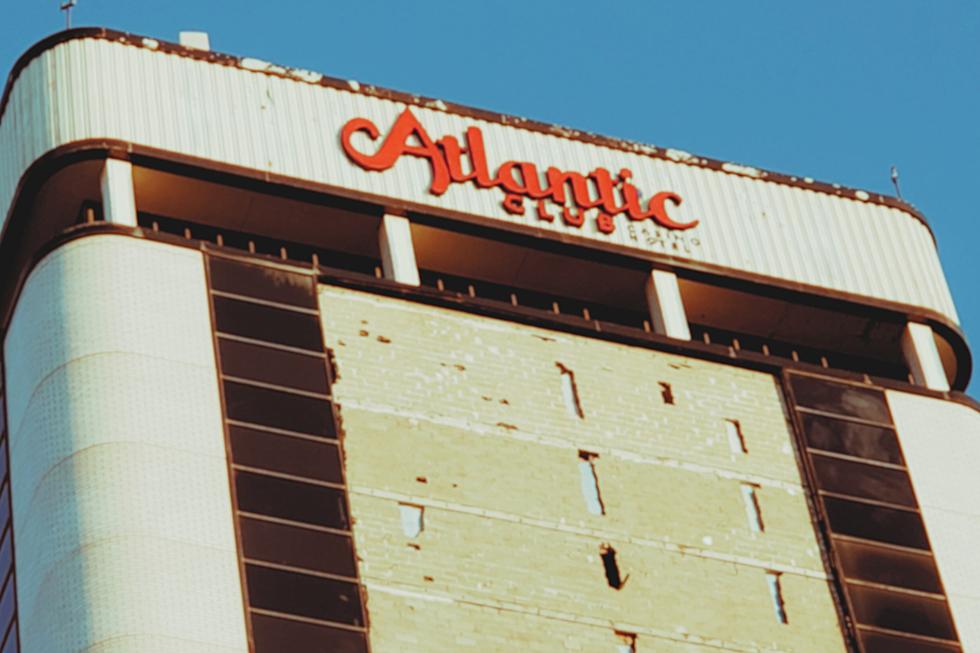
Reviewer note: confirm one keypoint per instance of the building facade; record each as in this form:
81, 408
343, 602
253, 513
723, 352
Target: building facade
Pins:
293, 363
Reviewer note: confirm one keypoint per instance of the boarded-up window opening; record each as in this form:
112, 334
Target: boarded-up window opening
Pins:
613, 577
590, 482
752, 510
776, 593
412, 518
569, 392
666, 393
736, 439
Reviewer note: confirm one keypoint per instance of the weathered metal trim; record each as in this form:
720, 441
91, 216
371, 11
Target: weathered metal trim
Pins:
506, 311
305, 189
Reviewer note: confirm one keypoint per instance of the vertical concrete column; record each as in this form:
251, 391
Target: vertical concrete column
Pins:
922, 357
397, 250
118, 195
665, 304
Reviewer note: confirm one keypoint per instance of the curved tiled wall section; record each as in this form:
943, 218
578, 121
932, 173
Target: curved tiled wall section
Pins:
119, 478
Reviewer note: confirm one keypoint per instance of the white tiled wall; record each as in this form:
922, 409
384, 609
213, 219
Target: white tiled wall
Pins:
941, 442
122, 511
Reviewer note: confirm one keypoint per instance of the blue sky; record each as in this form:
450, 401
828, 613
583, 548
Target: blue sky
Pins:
836, 90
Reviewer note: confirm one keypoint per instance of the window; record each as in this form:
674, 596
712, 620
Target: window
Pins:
304, 595
281, 410
292, 500
287, 461
273, 634
296, 546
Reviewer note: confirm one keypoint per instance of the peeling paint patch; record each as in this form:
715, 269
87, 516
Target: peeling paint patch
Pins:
152, 44
747, 171
307, 76
681, 155
248, 63
861, 195
437, 104
355, 86
563, 131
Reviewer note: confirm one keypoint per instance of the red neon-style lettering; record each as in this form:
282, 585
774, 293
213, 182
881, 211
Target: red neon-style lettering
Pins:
519, 180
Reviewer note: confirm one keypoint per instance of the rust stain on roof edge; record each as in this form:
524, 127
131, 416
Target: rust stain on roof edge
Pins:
251, 64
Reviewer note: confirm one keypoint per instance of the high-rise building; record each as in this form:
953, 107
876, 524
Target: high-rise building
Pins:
299, 364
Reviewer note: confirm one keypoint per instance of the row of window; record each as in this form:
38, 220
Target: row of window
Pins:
9, 635
890, 584
297, 550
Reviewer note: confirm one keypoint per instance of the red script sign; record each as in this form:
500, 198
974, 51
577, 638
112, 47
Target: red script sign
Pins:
519, 180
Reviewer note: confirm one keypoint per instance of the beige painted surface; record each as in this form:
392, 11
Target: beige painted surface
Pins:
464, 416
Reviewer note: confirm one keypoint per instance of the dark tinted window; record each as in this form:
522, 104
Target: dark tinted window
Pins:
263, 282
878, 564
7, 604
293, 500
11, 645
274, 635
260, 322
903, 612
301, 594
6, 556
274, 366
5, 505
881, 643
282, 410
851, 438
840, 398
866, 481
281, 453
876, 523
298, 547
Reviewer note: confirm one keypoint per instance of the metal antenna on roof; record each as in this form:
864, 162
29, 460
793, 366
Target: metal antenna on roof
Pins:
66, 7
898, 190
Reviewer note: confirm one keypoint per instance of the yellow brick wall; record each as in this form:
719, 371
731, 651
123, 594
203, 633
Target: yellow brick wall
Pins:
464, 415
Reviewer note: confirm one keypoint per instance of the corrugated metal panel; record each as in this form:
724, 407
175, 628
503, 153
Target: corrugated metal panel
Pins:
96, 88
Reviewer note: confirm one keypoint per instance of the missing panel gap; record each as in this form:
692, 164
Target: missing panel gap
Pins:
569, 392
736, 439
627, 641
753, 513
412, 519
590, 482
611, 567
776, 594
